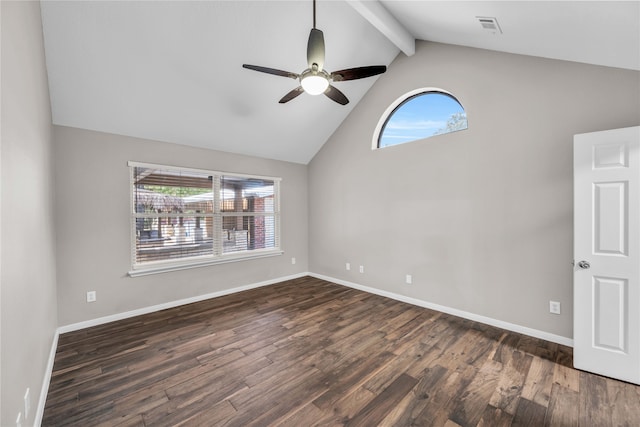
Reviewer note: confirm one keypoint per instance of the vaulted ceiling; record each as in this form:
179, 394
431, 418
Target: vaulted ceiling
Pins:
172, 70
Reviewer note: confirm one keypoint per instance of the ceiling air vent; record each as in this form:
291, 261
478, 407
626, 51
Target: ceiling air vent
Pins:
489, 24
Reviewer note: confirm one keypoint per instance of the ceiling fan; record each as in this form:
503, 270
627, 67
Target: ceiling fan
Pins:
315, 79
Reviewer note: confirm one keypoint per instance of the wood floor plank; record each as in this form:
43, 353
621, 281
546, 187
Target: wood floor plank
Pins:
305, 415
507, 344
345, 408
216, 414
595, 407
378, 408
529, 413
509, 387
564, 407
416, 319
188, 406
537, 385
407, 410
495, 417
297, 391
470, 407
403, 362
133, 420
537, 347
307, 352
442, 404
351, 376
563, 372
625, 403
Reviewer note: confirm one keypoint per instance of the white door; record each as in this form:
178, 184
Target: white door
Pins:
606, 284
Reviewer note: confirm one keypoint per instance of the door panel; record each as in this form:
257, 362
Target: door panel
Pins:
610, 320
607, 237
610, 206
610, 156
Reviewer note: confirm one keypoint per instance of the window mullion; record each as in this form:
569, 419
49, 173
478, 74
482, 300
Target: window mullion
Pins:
133, 253
217, 217
276, 208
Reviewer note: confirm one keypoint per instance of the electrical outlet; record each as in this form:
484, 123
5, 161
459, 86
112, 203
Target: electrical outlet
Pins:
362, 269
27, 404
347, 266
293, 260
554, 307
408, 279
19, 420
91, 296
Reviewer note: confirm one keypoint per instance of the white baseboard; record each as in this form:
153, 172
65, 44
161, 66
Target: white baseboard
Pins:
151, 309
414, 301
44, 390
455, 312
421, 303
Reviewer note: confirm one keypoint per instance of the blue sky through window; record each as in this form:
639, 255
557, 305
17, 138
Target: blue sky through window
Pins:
422, 116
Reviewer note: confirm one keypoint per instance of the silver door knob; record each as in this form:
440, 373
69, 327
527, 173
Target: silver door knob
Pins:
584, 264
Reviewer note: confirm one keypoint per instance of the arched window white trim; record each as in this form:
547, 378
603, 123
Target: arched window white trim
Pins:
398, 103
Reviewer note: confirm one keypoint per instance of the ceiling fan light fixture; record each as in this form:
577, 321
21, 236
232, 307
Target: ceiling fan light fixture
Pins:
315, 80
314, 83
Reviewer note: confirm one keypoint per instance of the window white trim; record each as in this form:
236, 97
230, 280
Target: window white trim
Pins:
217, 256
165, 267
132, 163
395, 104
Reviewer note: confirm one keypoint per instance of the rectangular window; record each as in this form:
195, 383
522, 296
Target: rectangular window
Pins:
183, 218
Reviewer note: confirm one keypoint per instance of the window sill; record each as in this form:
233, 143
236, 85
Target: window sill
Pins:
165, 268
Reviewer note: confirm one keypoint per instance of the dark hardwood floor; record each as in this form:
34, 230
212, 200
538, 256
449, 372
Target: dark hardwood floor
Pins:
307, 352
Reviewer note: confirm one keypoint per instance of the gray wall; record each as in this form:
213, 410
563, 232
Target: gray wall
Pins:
481, 218
93, 224
28, 287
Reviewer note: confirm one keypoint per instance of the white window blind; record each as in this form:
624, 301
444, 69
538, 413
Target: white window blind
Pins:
185, 217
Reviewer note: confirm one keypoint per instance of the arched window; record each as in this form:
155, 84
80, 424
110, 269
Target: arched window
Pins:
419, 114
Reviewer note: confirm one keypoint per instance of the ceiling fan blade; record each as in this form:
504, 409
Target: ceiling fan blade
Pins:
315, 49
288, 97
271, 71
358, 73
336, 95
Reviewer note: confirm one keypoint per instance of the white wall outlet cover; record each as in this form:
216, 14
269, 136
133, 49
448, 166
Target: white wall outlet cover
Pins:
293, 260
347, 266
362, 269
409, 279
554, 307
91, 296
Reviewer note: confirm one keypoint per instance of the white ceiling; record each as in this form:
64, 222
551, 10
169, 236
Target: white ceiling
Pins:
172, 70
594, 32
